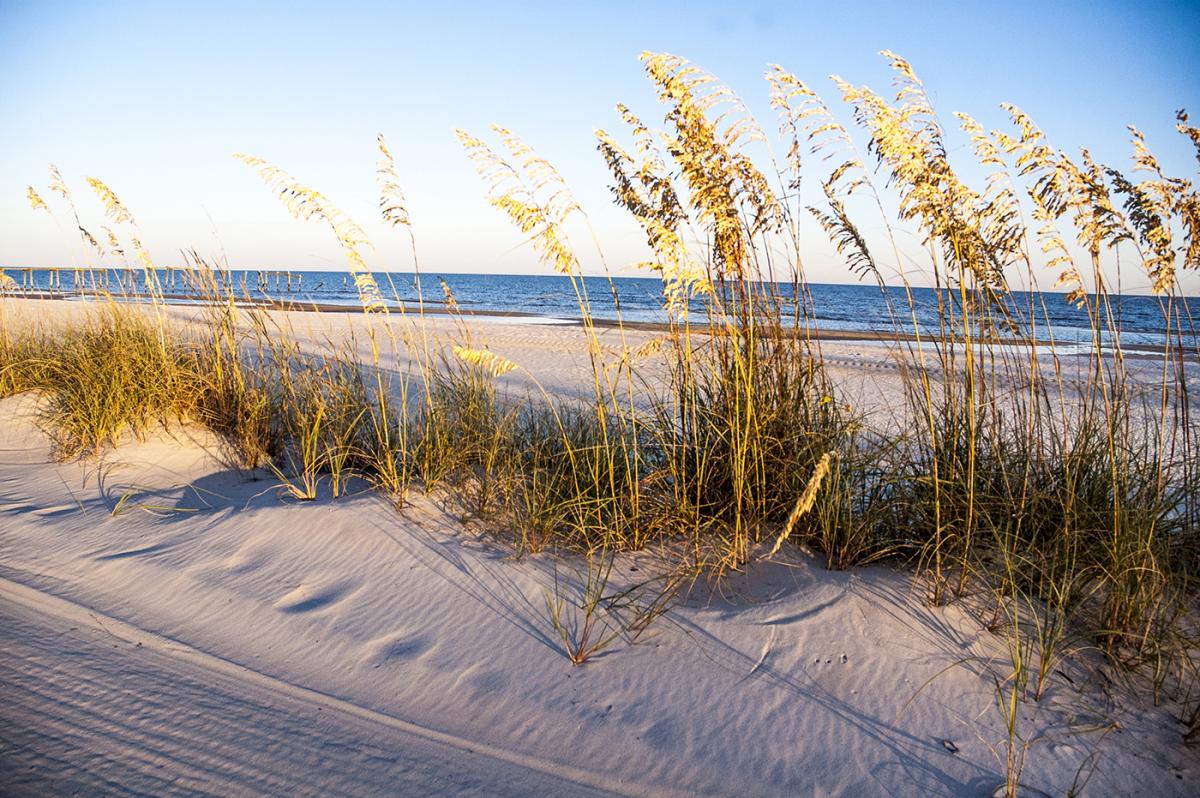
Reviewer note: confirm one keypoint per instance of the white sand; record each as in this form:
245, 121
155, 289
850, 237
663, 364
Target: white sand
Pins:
213, 638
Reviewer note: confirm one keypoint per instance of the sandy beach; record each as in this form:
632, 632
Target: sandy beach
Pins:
174, 625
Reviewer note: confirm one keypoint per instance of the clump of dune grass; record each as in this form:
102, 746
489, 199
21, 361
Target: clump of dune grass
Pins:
237, 397
117, 373
21, 359
1005, 476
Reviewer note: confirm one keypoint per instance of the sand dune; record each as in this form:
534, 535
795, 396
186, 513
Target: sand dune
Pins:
211, 637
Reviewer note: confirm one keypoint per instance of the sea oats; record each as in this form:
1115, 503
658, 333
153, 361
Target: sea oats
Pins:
801, 110
113, 207
541, 174
119, 213
1193, 133
646, 191
907, 140
805, 501
1151, 206
625, 358
306, 204
511, 194
57, 184
1063, 188
722, 182
35, 200
651, 347
1000, 213
451, 300
845, 236
489, 361
91, 241
392, 203
114, 243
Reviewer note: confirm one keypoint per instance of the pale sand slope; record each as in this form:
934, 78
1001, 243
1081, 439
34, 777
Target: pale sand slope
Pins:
213, 638
190, 722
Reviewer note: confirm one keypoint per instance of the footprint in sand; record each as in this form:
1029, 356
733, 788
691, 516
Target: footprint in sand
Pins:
398, 647
663, 734
489, 682
310, 598
247, 559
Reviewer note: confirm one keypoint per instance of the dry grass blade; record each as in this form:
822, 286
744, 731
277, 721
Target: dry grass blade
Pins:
804, 502
392, 204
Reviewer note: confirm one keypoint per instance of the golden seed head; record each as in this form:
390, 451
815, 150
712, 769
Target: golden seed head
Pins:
488, 361
35, 200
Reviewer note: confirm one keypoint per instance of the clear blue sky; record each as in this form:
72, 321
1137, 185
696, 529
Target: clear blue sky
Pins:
154, 97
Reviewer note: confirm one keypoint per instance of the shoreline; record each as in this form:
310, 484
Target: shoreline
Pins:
1135, 350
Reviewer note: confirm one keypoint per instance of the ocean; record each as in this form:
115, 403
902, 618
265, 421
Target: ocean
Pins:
857, 308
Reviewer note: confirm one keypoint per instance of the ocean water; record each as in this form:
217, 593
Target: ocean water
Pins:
855, 307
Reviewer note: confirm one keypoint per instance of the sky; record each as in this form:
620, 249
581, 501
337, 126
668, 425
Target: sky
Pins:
154, 98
